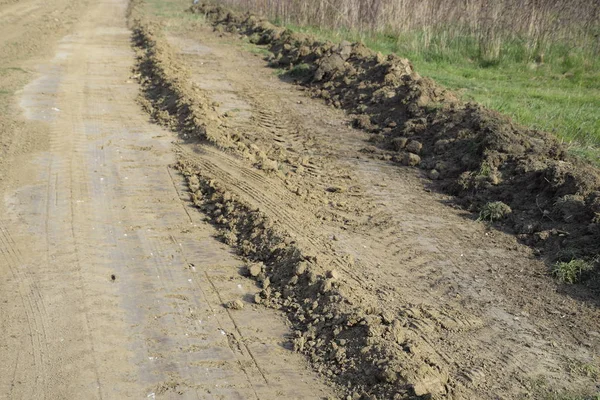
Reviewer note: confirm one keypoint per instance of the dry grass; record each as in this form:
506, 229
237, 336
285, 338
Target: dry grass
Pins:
536, 25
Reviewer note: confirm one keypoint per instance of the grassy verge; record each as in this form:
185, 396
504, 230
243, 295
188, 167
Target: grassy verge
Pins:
173, 14
562, 97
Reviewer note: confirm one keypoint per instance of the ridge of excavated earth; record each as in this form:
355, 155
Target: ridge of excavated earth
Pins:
470, 152
392, 293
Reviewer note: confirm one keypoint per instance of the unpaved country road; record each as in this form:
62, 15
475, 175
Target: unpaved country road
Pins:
111, 288
113, 285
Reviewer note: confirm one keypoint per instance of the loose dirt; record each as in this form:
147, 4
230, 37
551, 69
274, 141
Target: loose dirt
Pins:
112, 287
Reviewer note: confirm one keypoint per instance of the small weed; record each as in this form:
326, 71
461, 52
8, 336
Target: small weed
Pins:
494, 211
254, 49
585, 369
299, 71
570, 272
485, 170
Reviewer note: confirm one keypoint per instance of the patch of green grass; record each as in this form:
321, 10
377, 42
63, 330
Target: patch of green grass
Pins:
173, 13
570, 272
588, 370
255, 49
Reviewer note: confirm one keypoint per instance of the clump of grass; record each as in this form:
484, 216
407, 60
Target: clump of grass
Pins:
494, 211
299, 71
572, 271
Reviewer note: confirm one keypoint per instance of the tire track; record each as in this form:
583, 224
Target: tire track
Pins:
29, 299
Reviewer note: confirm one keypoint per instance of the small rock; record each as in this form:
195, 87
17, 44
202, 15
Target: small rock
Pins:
327, 285
542, 236
254, 270
434, 175
335, 189
399, 143
414, 146
235, 305
333, 274
411, 159
301, 268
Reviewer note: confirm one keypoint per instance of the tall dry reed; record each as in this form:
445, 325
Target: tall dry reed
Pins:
535, 24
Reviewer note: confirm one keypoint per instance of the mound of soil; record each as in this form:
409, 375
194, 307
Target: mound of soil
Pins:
338, 325
347, 338
172, 100
473, 153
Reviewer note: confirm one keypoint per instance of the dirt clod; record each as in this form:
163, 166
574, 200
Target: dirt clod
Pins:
414, 146
254, 269
334, 274
411, 159
235, 305
434, 175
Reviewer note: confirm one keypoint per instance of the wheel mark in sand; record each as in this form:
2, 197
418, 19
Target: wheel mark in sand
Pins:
14, 262
236, 327
179, 194
71, 211
209, 303
14, 374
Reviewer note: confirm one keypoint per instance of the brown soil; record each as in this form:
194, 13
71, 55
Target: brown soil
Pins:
392, 294
470, 152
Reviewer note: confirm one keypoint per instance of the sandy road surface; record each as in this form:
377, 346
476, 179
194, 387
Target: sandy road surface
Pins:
111, 288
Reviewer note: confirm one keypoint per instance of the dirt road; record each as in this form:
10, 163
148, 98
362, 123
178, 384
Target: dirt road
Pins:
115, 286
111, 287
